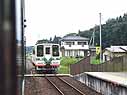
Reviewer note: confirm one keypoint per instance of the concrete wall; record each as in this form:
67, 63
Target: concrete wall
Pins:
102, 86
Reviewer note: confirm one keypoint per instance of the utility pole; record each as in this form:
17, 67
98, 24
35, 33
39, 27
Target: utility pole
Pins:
100, 39
23, 42
94, 36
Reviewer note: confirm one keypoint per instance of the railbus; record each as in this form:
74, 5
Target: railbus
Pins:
46, 57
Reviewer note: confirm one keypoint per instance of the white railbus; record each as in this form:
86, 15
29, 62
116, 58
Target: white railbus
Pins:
46, 57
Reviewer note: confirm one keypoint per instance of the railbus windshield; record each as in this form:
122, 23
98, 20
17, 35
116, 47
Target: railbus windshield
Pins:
40, 51
55, 50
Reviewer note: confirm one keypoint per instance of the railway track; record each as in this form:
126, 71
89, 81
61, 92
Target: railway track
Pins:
64, 87
55, 85
81, 86
39, 86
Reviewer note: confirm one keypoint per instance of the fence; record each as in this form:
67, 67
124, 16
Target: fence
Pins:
118, 64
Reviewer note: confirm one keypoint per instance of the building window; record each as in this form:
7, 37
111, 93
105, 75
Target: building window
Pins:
82, 43
70, 43
105, 56
69, 52
76, 53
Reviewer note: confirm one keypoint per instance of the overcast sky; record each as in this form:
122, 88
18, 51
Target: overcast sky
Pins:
46, 18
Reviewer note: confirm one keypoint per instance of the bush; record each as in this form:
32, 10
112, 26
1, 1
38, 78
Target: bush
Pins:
98, 56
65, 64
68, 60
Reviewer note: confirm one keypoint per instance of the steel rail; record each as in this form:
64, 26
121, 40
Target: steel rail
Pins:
71, 86
55, 86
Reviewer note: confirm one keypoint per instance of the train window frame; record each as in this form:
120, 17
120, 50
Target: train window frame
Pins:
42, 51
57, 53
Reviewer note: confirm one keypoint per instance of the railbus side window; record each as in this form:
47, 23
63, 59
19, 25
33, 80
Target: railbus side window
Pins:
55, 50
40, 51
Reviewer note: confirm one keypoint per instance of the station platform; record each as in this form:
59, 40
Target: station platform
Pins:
119, 78
107, 83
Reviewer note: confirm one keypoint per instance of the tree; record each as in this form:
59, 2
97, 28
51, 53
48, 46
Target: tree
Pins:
50, 40
114, 32
71, 34
56, 39
42, 41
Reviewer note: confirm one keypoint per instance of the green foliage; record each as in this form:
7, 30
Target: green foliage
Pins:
98, 56
65, 64
114, 32
94, 60
71, 34
68, 60
63, 69
56, 40
42, 41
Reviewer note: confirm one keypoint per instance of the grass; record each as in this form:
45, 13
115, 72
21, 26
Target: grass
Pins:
63, 70
93, 60
65, 64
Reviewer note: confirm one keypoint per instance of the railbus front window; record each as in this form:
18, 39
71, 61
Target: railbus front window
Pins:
55, 50
40, 50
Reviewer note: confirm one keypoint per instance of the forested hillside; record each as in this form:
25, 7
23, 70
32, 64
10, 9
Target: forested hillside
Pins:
114, 32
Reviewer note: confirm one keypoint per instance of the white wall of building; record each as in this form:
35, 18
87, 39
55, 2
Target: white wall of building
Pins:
74, 52
75, 45
75, 48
